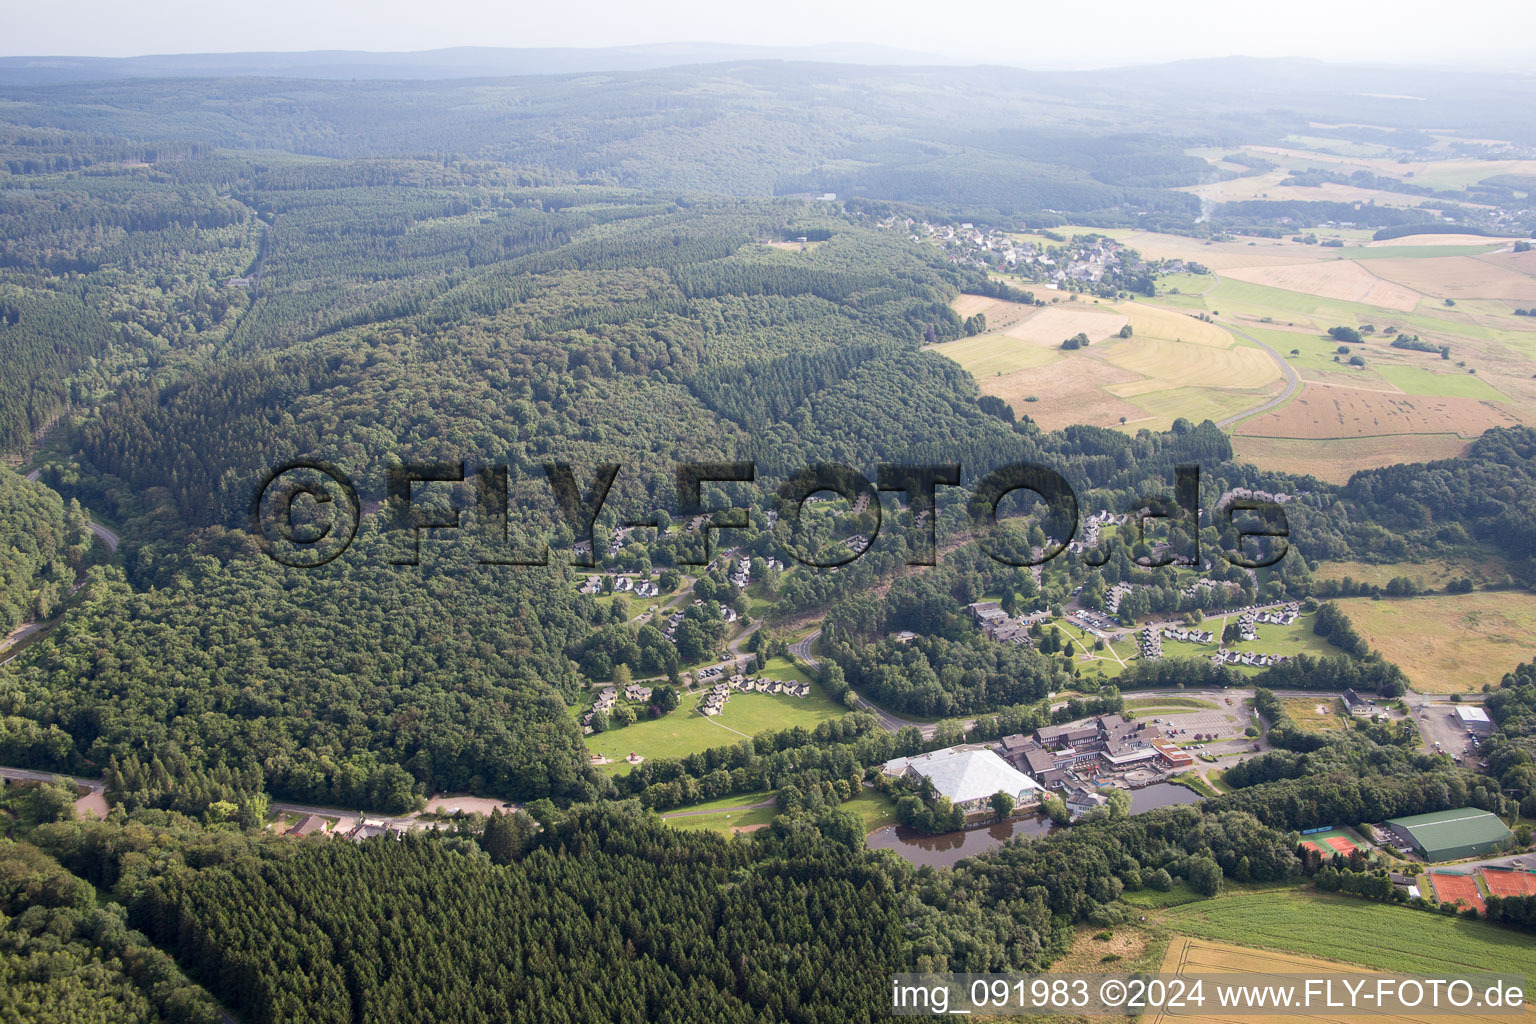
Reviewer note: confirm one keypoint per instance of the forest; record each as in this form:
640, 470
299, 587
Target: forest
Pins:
201, 282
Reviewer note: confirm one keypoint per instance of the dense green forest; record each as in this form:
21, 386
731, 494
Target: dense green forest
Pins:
46, 544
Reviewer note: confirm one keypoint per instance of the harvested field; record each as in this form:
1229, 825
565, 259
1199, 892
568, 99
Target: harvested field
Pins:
987, 355
1454, 888
1325, 411
999, 312
1220, 255
1438, 240
1517, 262
1182, 364
1509, 883
1267, 186
1458, 277
1161, 408
1168, 325
1068, 392
1449, 643
1337, 460
1345, 280
1052, 325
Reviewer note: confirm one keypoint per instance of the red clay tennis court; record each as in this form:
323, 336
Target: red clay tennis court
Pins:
1509, 883
1307, 844
1341, 844
1451, 888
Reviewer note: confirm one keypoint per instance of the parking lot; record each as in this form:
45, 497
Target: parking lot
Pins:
1184, 727
1437, 725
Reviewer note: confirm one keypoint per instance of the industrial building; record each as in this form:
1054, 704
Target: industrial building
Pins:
1474, 720
1450, 835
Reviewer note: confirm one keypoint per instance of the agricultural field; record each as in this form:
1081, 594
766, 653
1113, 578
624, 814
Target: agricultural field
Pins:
685, 731
1066, 392
1449, 643
1051, 325
1461, 277
1402, 405
992, 355
1267, 186
1341, 279
1335, 461
1324, 411
1165, 364
1417, 380
1201, 957
1339, 928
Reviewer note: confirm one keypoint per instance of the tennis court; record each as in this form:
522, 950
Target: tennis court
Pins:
1452, 888
1309, 845
1509, 882
1341, 844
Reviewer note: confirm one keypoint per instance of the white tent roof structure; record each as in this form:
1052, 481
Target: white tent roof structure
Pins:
966, 775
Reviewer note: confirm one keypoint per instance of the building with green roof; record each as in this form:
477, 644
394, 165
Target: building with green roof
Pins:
1451, 835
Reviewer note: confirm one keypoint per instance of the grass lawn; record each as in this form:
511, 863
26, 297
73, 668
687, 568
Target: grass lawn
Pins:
783, 668
1297, 638
685, 731
1304, 712
1166, 703
1109, 662
876, 810
725, 821
1376, 935
1449, 643
1150, 899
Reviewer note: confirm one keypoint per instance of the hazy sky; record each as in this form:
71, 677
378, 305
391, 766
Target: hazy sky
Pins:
1487, 32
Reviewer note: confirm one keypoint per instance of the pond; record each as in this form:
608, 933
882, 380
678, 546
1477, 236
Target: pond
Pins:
1162, 794
945, 850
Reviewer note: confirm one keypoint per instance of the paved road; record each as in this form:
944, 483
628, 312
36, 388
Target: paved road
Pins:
802, 651
21, 632
1292, 381
106, 536
29, 775
103, 533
